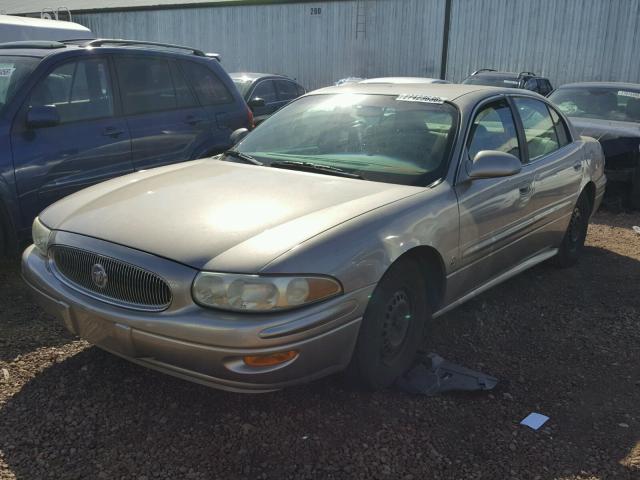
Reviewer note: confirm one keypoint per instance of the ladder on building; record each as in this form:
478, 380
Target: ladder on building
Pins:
361, 19
61, 13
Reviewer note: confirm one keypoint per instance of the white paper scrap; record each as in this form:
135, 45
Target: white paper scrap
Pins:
534, 420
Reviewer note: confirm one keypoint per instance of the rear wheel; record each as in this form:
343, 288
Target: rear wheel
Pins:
392, 328
573, 241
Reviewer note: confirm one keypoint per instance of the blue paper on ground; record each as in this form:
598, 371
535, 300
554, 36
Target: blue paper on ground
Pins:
534, 420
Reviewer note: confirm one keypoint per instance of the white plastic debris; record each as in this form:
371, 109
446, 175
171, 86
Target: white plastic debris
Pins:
5, 374
636, 229
534, 420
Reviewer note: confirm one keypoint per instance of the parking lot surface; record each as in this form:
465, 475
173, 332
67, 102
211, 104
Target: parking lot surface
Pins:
565, 343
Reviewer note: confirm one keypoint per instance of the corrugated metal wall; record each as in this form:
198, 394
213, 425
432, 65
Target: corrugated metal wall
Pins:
567, 40
402, 37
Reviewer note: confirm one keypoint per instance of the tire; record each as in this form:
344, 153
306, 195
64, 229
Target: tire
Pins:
635, 189
573, 241
392, 328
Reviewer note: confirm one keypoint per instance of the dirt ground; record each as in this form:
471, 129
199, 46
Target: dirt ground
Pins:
565, 343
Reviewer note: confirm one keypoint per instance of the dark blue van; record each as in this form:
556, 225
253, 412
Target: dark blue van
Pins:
77, 113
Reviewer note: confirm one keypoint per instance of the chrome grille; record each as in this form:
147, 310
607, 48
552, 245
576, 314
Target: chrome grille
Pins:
126, 285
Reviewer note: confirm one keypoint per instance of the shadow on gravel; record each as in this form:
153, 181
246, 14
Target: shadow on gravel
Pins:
564, 343
25, 327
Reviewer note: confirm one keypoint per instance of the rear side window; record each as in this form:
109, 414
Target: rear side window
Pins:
79, 90
146, 85
208, 87
539, 129
265, 90
494, 129
287, 90
561, 128
301, 90
184, 97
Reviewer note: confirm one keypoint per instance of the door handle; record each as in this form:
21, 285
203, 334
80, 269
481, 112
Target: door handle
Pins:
525, 190
112, 132
193, 120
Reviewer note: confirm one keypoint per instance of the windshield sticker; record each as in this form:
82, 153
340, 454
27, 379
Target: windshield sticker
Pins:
6, 69
511, 82
409, 97
624, 93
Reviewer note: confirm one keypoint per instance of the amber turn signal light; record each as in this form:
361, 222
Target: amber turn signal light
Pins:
270, 359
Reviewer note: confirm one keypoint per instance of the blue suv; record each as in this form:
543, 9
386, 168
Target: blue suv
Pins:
77, 113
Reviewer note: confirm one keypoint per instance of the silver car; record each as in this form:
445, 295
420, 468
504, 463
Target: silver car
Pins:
325, 240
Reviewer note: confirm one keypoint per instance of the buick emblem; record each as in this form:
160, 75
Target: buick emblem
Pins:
99, 276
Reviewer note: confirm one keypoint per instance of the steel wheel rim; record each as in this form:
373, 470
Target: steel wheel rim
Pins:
398, 314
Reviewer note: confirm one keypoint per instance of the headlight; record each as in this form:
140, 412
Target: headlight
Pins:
258, 294
40, 235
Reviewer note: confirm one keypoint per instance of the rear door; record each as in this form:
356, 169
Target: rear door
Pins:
494, 212
557, 162
90, 144
225, 113
166, 122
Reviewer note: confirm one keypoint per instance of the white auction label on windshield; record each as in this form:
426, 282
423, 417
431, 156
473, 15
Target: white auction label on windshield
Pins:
409, 97
624, 93
6, 69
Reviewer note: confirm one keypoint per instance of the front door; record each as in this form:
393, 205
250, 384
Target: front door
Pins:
493, 211
166, 122
90, 144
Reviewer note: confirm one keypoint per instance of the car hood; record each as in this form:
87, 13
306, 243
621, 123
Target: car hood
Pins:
605, 129
217, 215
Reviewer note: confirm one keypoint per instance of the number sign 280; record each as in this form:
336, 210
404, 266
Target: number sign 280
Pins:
316, 10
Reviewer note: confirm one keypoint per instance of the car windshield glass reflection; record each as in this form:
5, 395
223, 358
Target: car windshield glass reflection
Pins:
375, 137
617, 104
242, 84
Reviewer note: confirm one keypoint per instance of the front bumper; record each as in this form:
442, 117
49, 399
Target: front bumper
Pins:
197, 344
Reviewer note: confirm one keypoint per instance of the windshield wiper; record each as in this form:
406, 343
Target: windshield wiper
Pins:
313, 167
243, 156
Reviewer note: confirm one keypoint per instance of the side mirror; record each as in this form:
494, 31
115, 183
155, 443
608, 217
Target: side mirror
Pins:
43, 116
493, 164
238, 135
256, 102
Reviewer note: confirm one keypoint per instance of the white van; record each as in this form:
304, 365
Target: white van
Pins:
14, 29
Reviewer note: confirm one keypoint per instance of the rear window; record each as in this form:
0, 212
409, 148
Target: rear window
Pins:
146, 84
13, 72
208, 87
607, 103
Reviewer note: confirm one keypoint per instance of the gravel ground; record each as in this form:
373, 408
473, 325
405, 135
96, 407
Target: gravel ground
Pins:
565, 343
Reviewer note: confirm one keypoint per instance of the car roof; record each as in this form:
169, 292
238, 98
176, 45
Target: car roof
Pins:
602, 85
447, 91
41, 49
403, 80
255, 75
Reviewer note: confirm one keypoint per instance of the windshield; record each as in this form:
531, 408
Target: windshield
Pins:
618, 104
242, 84
13, 72
378, 137
491, 81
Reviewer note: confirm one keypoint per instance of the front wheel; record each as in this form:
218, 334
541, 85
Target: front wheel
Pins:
392, 328
573, 241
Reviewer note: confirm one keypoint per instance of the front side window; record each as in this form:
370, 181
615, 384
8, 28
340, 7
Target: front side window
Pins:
494, 129
607, 103
287, 90
13, 72
265, 90
539, 129
79, 90
146, 85
208, 87
377, 137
